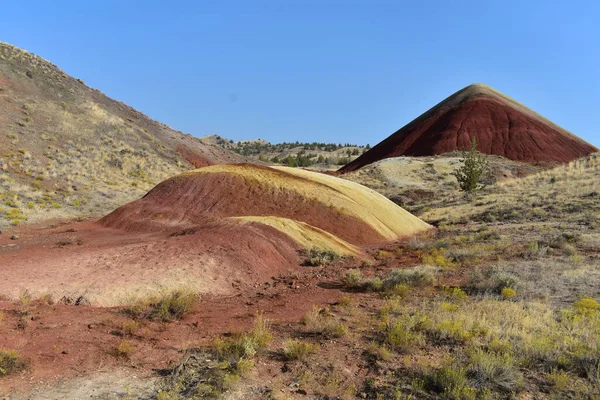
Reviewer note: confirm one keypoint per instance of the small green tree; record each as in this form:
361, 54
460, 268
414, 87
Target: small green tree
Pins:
474, 169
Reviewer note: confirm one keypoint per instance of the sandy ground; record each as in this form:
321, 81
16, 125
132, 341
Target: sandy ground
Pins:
102, 385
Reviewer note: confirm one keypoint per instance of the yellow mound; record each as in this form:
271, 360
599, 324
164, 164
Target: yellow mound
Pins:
360, 202
307, 236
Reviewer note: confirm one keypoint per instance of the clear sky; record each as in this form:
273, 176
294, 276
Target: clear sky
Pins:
320, 70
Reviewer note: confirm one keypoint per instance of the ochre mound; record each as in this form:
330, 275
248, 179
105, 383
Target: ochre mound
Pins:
309, 207
501, 125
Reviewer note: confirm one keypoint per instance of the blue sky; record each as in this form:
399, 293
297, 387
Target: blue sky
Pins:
322, 70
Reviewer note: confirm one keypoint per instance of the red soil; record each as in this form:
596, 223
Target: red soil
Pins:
108, 265
191, 200
64, 341
501, 126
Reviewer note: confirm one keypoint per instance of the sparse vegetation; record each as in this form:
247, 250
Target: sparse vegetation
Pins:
296, 350
316, 257
124, 349
167, 305
210, 372
10, 362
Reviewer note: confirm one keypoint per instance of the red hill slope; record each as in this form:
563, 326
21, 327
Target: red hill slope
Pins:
297, 202
501, 125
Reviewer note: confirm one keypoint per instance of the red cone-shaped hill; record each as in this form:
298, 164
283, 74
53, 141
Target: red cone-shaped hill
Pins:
501, 125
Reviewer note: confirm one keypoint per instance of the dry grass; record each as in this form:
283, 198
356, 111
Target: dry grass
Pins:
167, 305
295, 350
215, 371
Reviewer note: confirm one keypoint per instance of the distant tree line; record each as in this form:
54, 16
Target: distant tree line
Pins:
256, 148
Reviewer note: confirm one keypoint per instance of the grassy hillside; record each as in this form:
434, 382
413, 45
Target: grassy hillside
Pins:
67, 149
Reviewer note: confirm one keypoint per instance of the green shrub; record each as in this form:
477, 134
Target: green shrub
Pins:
374, 284
401, 290
586, 305
320, 320
380, 352
244, 366
508, 293
474, 169
438, 257
352, 279
559, 380
454, 293
499, 346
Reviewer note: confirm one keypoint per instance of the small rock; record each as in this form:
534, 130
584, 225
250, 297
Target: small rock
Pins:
14, 237
302, 391
65, 352
91, 326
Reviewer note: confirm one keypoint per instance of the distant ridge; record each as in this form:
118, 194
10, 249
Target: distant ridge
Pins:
501, 125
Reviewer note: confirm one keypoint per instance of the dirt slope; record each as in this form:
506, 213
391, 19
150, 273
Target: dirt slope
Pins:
66, 148
210, 230
501, 126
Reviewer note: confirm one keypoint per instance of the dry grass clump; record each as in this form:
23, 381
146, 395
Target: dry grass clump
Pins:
124, 349
129, 327
496, 371
209, 373
321, 321
295, 350
245, 345
167, 305
10, 362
